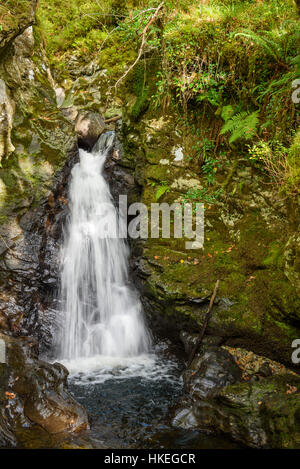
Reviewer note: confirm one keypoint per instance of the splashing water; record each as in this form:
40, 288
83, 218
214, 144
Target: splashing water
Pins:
101, 311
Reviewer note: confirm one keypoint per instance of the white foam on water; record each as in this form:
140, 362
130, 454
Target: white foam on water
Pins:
100, 368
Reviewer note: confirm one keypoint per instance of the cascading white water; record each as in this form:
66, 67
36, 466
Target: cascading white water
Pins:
101, 311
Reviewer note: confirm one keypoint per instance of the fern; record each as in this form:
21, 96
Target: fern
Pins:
273, 48
161, 190
227, 112
241, 125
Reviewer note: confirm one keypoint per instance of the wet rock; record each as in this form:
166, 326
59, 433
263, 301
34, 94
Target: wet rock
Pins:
258, 414
88, 126
33, 392
185, 418
262, 412
29, 273
209, 372
189, 341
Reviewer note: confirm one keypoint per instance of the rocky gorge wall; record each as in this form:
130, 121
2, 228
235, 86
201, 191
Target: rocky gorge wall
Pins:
251, 245
37, 148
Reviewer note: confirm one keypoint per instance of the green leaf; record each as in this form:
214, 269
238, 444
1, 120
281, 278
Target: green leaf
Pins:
242, 125
161, 191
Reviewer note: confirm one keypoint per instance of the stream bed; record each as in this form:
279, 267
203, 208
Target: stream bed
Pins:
129, 402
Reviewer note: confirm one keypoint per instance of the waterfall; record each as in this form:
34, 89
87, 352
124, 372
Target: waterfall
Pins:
101, 311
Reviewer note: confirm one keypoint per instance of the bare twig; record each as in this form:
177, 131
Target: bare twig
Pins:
143, 43
112, 119
117, 27
207, 318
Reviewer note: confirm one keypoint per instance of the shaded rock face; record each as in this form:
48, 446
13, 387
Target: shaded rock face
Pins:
88, 126
210, 372
34, 392
246, 246
38, 146
260, 413
30, 268
190, 340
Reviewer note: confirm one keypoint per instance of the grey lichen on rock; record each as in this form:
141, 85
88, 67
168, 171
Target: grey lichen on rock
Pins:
7, 108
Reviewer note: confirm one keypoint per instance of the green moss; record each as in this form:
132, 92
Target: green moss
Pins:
293, 158
15, 16
274, 257
268, 405
141, 104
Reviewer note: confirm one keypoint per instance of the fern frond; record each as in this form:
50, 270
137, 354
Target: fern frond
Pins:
161, 190
227, 112
242, 125
271, 47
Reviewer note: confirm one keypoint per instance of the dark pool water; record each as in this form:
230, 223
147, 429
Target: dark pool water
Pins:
130, 405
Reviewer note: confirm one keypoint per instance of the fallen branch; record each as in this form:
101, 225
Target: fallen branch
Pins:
143, 43
112, 119
207, 318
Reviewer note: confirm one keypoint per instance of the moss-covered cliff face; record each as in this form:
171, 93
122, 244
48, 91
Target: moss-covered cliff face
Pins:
36, 141
175, 152
249, 245
37, 145
39, 136
203, 65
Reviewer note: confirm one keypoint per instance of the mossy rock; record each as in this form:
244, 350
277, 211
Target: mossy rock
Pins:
16, 16
42, 137
260, 414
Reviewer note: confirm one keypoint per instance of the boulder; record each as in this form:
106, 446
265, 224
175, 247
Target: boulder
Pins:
209, 372
189, 341
260, 414
88, 126
34, 393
